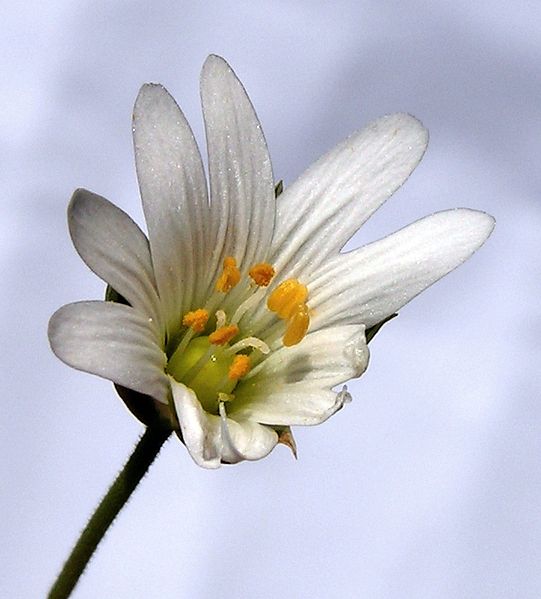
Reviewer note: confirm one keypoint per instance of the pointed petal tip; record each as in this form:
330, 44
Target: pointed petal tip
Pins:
79, 198
152, 88
80, 191
149, 94
81, 195
216, 63
217, 71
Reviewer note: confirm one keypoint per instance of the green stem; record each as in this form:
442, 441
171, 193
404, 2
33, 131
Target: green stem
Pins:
142, 457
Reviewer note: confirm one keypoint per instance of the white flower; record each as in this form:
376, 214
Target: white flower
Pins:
242, 315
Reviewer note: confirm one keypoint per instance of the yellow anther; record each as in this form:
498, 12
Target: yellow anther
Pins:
297, 326
196, 320
229, 277
240, 367
223, 335
261, 274
285, 299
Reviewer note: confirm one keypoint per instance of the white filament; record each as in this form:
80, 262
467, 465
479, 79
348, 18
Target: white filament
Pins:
249, 342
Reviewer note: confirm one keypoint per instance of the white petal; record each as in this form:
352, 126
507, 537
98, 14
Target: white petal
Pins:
294, 384
244, 439
332, 199
114, 247
201, 431
212, 439
175, 203
369, 284
112, 341
241, 180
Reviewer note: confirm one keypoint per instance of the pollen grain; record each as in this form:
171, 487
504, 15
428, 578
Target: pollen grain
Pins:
239, 367
262, 274
224, 334
285, 299
230, 275
196, 320
297, 326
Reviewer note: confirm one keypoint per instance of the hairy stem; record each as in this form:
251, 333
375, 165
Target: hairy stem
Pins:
137, 465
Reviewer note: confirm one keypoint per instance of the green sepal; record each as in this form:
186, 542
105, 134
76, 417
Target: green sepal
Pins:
285, 437
278, 188
111, 295
143, 407
371, 332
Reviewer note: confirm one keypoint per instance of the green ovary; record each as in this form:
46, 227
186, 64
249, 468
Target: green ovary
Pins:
206, 379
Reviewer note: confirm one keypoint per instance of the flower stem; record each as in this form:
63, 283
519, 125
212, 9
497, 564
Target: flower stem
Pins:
127, 480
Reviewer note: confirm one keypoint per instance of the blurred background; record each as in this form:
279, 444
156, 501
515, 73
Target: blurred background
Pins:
428, 484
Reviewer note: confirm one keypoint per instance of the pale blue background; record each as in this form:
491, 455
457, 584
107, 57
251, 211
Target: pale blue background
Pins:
428, 485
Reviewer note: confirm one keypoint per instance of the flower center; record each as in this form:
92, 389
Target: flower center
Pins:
213, 362
204, 368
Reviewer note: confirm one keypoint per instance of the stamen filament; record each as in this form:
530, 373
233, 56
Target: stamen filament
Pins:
247, 304
274, 332
253, 371
183, 343
253, 342
221, 319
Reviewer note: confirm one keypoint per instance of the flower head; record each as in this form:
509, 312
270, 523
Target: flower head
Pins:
239, 316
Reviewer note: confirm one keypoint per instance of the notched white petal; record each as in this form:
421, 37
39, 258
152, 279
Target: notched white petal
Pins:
335, 196
211, 439
369, 284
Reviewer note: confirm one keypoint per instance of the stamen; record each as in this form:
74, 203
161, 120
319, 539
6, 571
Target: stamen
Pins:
253, 342
285, 299
223, 335
255, 370
262, 274
196, 320
184, 343
220, 319
229, 277
297, 326
239, 368
247, 304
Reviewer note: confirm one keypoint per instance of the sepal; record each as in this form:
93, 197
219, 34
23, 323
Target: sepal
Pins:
371, 332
